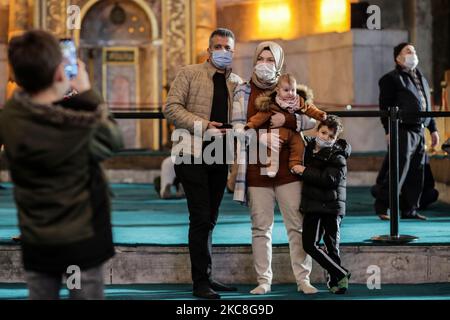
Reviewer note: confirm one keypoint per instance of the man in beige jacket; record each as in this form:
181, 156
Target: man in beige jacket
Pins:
200, 99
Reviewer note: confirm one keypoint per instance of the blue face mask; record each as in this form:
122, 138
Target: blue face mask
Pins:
222, 59
323, 143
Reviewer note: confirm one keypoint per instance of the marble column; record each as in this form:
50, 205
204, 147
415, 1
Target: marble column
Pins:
204, 25
4, 11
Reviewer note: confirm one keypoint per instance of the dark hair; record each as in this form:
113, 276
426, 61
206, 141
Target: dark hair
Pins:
399, 49
34, 57
221, 32
332, 122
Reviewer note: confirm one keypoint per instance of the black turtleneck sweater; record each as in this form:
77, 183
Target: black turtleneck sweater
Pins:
219, 109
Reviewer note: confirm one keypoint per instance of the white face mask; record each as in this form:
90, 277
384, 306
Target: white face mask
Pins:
323, 143
411, 61
266, 72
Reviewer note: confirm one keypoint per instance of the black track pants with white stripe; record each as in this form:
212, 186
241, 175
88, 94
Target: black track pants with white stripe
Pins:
326, 226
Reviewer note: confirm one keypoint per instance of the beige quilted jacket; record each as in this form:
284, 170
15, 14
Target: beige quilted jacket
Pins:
190, 100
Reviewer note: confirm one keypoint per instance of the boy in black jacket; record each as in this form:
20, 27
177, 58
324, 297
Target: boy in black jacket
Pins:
323, 198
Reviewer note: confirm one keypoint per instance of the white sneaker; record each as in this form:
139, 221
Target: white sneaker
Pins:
306, 287
261, 289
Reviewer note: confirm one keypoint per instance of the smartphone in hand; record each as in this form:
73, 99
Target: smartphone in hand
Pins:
225, 126
69, 52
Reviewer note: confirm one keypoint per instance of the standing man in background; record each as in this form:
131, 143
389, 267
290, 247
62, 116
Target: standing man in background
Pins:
407, 88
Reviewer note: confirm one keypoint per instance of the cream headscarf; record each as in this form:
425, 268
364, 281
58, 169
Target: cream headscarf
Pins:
278, 55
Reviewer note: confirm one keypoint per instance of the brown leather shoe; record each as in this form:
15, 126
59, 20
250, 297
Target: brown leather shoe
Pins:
384, 217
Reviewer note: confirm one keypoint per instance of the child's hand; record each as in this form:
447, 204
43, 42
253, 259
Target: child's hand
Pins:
81, 82
298, 169
324, 117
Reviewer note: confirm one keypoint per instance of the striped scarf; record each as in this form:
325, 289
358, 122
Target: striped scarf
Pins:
239, 120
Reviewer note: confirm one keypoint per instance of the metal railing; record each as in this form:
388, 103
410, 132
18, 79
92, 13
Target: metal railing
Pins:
394, 115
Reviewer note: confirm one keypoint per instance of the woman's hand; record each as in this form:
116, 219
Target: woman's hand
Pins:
277, 120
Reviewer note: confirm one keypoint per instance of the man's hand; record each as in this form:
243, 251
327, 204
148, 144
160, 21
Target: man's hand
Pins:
271, 140
434, 139
298, 169
214, 125
277, 120
388, 138
213, 129
81, 82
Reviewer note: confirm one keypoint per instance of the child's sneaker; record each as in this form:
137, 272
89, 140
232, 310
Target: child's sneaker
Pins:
336, 290
342, 285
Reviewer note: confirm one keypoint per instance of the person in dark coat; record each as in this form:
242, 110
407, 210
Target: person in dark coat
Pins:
429, 192
324, 176
54, 148
407, 88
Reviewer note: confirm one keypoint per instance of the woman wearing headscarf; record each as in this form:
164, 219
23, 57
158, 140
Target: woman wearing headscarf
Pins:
264, 191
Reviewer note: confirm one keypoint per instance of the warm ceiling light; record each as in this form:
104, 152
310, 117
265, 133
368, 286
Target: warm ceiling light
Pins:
274, 19
333, 13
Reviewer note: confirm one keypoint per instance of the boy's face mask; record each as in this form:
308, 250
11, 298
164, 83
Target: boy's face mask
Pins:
325, 137
323, 143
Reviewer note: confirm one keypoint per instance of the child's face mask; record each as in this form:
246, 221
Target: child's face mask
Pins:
323, 143
325, 137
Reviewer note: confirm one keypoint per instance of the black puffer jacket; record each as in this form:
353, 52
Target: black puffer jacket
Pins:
325, 178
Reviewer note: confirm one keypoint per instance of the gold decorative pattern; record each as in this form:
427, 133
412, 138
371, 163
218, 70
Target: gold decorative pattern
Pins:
56, 17
18, 17
176, 36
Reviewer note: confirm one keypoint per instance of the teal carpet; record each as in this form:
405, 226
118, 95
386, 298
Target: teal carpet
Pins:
437, 291
141, 218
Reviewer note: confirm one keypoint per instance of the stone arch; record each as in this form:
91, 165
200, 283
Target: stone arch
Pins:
147, 131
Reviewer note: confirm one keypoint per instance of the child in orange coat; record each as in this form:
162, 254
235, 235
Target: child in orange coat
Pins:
285, 99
